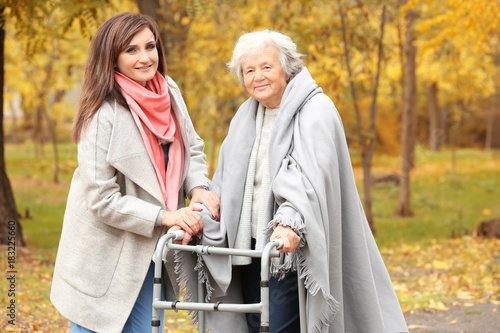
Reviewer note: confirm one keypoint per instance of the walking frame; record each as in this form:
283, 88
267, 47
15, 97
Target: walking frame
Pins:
269, 251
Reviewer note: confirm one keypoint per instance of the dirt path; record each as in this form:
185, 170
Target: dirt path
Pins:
479, 318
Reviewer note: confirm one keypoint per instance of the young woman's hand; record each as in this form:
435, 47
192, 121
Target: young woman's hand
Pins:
208, 198
185, 219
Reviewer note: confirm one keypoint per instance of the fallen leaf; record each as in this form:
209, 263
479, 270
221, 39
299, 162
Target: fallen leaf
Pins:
437, 264
437, 306
414, 327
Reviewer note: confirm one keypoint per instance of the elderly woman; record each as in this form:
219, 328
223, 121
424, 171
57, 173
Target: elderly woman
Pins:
284, 171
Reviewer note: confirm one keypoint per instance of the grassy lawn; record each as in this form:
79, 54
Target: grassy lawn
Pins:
448, 199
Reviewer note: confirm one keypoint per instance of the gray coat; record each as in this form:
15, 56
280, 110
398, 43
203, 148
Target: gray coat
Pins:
109, 234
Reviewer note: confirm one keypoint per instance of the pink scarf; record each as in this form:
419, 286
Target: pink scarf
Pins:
152, 112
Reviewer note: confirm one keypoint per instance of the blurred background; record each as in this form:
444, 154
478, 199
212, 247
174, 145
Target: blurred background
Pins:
416, 83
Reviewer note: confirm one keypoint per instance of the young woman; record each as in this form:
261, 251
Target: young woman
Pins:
139, 156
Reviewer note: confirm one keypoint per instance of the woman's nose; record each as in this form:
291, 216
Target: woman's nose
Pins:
143, 56
259, 75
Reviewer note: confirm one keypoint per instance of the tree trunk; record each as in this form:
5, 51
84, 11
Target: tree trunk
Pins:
407, 118
13, 108
435, 131
454, 135
171, 33
38, 134
370, 147
152, 8
9, 224
51, 124
367, 145
149, 7
445, 124
491, 119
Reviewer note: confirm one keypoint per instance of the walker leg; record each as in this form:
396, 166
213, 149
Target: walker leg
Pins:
201, 314
264, 283
157, 282
302, 304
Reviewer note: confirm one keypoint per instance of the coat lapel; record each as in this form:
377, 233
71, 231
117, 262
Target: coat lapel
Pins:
181, 126
128, 154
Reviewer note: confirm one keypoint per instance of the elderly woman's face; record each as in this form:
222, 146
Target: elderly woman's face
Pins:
264, 78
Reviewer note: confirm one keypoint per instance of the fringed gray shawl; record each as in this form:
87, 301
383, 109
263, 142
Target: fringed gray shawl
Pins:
314, 191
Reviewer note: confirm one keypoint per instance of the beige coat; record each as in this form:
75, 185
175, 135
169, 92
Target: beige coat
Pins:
109, 234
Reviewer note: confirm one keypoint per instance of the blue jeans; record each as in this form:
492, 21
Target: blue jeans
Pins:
140, 318
283, 300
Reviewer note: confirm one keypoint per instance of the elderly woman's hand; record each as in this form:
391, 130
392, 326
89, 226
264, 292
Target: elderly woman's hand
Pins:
208, 198
184, 218
290, 238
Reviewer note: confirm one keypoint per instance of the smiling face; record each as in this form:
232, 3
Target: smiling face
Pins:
264, 78
139, 60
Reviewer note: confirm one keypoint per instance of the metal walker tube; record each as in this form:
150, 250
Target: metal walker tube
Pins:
262, 307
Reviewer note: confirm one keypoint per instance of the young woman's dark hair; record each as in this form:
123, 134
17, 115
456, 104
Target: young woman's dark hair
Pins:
99, 83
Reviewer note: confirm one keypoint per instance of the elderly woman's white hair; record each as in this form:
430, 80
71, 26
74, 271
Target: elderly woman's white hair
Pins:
252, 43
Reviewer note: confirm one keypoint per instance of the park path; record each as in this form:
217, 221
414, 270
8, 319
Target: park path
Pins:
478, 318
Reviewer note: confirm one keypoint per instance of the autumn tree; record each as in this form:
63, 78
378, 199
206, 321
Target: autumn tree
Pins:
462, 39
43, 80
435, 119
8, 210
366, 138
408, 116
28, 17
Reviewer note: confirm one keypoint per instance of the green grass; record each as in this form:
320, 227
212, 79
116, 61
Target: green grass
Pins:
39, 200
445, 200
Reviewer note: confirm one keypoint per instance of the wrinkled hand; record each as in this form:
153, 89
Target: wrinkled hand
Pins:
290, 239
186, 219
208, 198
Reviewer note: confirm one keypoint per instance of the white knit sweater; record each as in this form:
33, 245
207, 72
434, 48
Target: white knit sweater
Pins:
261, 185
257, 187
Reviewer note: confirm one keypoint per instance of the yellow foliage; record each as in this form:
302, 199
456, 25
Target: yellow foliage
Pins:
469, 23
202, 35
486, 211
437, 264
461, 271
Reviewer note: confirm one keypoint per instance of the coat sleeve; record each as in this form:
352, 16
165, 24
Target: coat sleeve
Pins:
99, 182
197, 174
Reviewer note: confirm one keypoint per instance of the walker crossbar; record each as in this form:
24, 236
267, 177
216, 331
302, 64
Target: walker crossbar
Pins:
262, 307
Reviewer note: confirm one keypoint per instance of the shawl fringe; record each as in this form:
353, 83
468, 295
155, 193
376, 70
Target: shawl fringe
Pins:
183, 280
286, 261
203, 277
313, 287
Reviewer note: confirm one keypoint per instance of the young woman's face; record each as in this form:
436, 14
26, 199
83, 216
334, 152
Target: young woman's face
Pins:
139, 60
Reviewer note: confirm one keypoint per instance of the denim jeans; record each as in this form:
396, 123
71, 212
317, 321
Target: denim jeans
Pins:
140, 318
